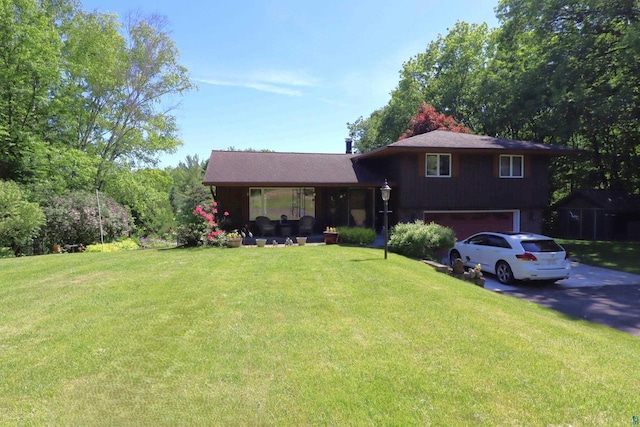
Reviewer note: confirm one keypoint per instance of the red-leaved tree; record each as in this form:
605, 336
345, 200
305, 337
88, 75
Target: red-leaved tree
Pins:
427, 119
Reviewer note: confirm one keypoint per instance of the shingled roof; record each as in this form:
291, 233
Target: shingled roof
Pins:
440, 140
243, 168
610, 199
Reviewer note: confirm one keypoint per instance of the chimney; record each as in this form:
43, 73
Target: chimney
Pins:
349, 143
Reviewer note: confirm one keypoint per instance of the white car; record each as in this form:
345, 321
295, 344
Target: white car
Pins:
514, 256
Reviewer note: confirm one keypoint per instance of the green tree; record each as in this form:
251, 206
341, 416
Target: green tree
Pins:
146, 193
563, 72
29, 68
446, 76
20, 220
134, 129
570, 76
118, 87
187, 184
448, 73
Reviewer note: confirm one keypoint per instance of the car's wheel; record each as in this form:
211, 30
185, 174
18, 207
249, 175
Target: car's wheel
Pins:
504, 273
453, 256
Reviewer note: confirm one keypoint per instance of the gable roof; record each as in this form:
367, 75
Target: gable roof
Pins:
259, 168
613, 200
441, 140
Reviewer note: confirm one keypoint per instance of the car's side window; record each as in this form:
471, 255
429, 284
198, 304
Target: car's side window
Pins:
499, 242
480, 239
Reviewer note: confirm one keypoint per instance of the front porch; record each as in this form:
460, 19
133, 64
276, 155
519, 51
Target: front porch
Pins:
314, 239
285, 206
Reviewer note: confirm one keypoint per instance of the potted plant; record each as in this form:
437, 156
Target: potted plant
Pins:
302, 240
234, 239
330, 236
261, 242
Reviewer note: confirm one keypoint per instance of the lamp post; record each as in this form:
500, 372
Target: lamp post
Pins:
385, 191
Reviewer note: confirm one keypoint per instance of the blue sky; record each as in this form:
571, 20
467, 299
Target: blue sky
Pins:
288, 75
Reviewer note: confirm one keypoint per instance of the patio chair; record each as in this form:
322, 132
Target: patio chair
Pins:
305, 225
265, 226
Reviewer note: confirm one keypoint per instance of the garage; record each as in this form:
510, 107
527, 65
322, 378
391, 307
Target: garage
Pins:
466, 223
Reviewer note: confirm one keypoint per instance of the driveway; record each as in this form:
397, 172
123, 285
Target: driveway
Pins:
595, 294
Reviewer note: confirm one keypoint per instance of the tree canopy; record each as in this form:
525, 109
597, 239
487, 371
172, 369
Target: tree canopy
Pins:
560, 72
86, 103
427, 119
82, 93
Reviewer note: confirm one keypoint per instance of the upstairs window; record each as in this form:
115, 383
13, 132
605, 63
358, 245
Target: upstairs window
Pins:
511, 166
438, 165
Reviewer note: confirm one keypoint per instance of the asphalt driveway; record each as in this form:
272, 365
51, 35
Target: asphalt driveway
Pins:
595, 294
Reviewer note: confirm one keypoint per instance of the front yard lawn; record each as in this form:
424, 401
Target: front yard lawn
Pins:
621, 256
312, 335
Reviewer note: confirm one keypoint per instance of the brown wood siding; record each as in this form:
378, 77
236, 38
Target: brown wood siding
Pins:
474, 186
234, 200
465, 224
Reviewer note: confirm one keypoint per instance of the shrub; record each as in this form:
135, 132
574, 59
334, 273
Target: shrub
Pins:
124, 245
191, 228
73, 218
205, 227
357, 235
6, 253
20, 220
420, 240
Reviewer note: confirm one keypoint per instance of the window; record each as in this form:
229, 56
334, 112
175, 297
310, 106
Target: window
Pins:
438, 165
541, 246
480, 239
294, 202
499, 242
511, 166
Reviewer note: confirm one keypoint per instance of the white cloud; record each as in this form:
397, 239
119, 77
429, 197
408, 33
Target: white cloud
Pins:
262, 87
282, 82
283, 77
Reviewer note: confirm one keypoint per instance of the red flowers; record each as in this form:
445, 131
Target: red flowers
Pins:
208, 213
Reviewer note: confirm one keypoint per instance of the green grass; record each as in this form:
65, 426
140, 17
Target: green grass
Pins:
313, 335
621, 256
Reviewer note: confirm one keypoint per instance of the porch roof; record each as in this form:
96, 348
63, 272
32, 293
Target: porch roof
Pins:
259, 168
441, 140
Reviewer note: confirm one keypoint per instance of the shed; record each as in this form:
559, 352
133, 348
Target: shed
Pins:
594, 214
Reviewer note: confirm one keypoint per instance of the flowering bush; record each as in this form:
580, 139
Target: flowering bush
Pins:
73, 218
207, 227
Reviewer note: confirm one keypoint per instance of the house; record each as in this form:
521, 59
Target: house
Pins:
599, 215
467, 182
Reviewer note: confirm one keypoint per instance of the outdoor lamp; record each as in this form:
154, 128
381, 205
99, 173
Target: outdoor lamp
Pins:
385, 191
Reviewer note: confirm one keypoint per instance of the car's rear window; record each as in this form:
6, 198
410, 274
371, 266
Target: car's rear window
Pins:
541, 246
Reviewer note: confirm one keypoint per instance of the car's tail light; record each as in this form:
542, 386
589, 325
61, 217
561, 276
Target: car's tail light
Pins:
566, 254
527, 256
